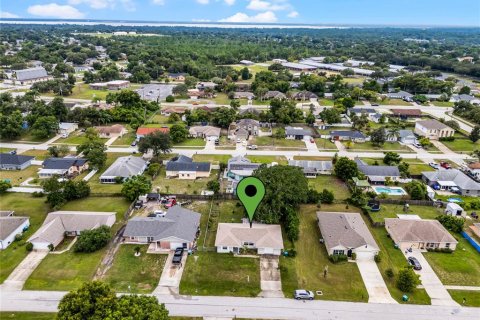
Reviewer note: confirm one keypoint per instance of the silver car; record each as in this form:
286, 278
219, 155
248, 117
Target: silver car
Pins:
303, 295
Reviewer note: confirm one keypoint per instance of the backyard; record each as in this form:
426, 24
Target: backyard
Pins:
331, 183
18, 176
135, 274
391, 211
343, 281
163, 184
232, 276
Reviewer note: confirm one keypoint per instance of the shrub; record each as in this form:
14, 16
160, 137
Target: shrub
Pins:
407, 280
389, 273
92, 240
170, 98
447, 139
442, 250
38, 194
377, 258
29, 246
451, 223
18, 237
354, 256
335, 258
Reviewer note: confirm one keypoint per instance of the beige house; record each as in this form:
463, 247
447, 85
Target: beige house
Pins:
116, 130
345, 233
419, 234
206, 132
59, 224
433, 129
265, 238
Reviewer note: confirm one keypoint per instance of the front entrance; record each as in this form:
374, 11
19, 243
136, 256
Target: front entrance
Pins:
349, 253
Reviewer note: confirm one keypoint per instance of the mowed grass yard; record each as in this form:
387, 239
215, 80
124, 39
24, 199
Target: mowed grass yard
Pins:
283, 143
221, 274
69, 270
461, 267
38, 154
18, 176
305, 271
394, 102
472, 298
461, 143
27, 315
387, 146
180, 186
391, 211
416, 166
196, 142
24, 205
331, 183
75, 138
135, 274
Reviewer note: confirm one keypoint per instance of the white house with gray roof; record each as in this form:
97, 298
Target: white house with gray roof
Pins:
403, 95
433, 129
179, 228
184, 167
345, 233
378, 174
10, 226
452, 180
124, 167
297, 133
30, 76
312, 168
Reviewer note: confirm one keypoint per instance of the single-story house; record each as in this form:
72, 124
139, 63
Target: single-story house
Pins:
452, 180
312, 168
265, 238
118, 84
62, 167
238, 168
252, 126
169, 110
406, 96
453, 209
65, 128
378, 174
179, 228
124, 167
371, 113
243, 95
116, 130
304, 96
143, 131
207, 132
6, 213
433, 97
59, 224
204, 85
98, 86
14, 161
297, 133
464, 97
31, 75
419, 234
345, 233
274, 95
407, 137
474, 169
184, 167
347, 135
247, 62
180, 76
299, 67
404, 114
433, 129
10, 226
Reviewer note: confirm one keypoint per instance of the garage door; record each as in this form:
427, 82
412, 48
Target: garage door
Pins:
267, 251
365, 255
175, 245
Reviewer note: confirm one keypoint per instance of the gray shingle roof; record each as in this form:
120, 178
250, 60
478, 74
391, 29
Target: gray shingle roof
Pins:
295, 131
348, 133
344, 229
362, 110
63, 163
125, 167
433, 124
405, 134
401, 94
311, 166
14, 159
241, 163
457, 176
10, 224
184, 163
407, 230
30, 74
178, 222
383, 171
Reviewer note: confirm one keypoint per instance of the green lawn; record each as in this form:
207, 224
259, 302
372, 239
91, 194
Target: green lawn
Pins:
443, 103
388, 146
305, 271
196, 142
472, 298
75, 138
221, 274
331, 183
281, 160
24, 205
312, 158
461, 143
18, 176
325, 144
326, 102
126, 139
4, 315
269, 141
462, 267
179, 186
416, 166
135, 274
393, 258
221, 98
222, 158
83, 91
38, 154
66, 271
391, 211
394, 102
5, 150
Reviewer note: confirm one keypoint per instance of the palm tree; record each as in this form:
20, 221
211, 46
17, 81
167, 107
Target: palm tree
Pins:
393, 133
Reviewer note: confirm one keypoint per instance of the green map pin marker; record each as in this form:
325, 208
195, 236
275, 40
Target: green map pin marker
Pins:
250, 191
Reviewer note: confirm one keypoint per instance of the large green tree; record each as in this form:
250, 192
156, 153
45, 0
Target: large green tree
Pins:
345, 168
136, 186
158, 142
178, 133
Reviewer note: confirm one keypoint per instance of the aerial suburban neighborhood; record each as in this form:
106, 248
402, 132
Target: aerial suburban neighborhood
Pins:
125, 149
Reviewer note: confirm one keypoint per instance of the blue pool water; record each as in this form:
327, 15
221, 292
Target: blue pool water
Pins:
396, 191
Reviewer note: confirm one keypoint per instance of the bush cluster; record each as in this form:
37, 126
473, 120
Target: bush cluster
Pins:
335, 258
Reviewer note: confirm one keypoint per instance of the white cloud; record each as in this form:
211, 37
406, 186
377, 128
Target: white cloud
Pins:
54, 10
201, 20
95, 4
275, 5
158, 2
264, 17
293, 14
230, 2
7, 15
203, 1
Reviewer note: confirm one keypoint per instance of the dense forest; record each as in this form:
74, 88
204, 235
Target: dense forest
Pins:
201, 52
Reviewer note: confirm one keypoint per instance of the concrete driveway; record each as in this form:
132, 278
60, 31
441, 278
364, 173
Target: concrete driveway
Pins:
171, 276
270, 280
20, 274
430, 281
373, 280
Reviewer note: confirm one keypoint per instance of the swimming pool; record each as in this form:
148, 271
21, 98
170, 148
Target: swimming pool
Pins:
392, 191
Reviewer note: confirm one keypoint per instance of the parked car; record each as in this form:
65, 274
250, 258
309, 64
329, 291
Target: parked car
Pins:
445, 165
160, 213
170, 203
434, 165
417, 145
252, 147
311, 140
303, 294
414, 262
177, 256
134, 143
138, 204
217, 142
13, 152
375, 104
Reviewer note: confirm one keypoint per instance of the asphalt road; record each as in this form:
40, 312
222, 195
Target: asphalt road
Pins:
265, 308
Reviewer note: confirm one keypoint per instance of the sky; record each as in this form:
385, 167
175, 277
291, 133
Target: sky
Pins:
369, 12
